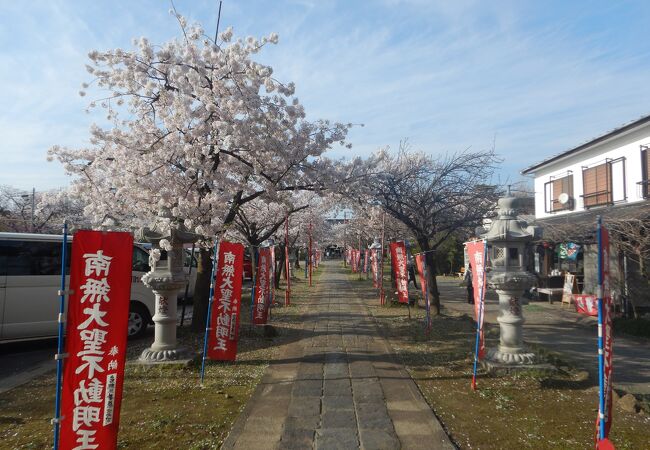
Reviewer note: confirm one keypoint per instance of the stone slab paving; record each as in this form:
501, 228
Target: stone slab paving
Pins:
338, 387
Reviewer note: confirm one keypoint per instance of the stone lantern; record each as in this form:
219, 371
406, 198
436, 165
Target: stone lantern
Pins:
166, 278
376, 245
507, 239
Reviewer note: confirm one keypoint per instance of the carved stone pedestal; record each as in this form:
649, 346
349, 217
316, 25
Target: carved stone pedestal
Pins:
511, 350
165, 347
166, 279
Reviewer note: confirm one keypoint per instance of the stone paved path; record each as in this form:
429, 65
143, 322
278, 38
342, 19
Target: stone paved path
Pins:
338, 387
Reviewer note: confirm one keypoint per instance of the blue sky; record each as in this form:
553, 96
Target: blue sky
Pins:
534, 77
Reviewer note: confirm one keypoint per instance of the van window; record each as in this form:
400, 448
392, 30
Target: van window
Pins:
140, 260
3, 259
32, 258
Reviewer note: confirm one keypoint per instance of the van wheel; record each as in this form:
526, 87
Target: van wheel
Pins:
138, 320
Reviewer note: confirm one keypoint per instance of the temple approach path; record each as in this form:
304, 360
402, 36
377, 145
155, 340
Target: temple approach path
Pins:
339, 386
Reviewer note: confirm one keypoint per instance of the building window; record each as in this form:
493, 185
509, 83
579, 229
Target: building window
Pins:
597, 185
645, 170
553, 193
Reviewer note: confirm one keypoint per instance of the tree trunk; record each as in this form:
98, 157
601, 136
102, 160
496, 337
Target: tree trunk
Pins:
432, 284
279, 266
201, 290
296, 265
253, 249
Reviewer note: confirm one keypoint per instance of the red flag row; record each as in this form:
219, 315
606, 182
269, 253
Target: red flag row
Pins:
606, 313
262, 300
400, 270
225, 314
96, 330
476, 255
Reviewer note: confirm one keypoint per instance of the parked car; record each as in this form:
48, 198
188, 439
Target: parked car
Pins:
30, 274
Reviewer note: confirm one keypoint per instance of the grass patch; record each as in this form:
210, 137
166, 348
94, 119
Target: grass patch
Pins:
527, 410
168, 402
634, 327
156, 400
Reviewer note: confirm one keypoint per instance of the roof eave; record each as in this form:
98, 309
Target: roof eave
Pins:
614, 133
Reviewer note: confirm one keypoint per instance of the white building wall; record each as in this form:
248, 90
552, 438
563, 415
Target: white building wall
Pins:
626, 146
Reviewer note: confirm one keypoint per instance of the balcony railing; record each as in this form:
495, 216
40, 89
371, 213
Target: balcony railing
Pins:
599, 198
645, 188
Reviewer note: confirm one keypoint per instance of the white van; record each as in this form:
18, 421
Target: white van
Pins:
30, 276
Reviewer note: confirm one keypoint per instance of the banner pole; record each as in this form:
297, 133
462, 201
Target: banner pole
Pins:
210, 301
345, 246
311, 257
271, 294
601, 353
59, 355
406, 274
382, 294
254, 264
287, 269
426, 292
480, 318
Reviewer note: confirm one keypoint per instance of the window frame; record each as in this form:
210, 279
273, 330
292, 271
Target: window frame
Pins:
552, 205
645, 168
608, 192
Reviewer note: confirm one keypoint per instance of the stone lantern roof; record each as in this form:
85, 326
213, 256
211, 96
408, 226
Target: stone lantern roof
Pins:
506, 226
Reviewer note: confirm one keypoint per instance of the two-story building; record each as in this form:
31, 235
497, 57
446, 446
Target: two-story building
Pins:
606, 176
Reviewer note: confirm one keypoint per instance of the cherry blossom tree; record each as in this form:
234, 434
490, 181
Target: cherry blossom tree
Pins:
261, 220
39, 212
197, 127
433, 197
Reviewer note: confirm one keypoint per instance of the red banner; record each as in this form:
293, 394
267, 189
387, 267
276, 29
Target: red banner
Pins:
400, 270
374, 265
96, 332
586, 304
476, 254
287, 274
272, 277
419, 262
366, 257
224, 320
262, 287
608, 312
